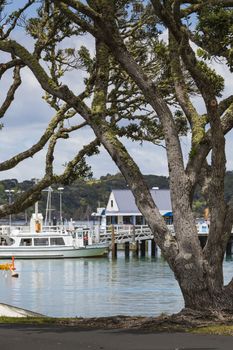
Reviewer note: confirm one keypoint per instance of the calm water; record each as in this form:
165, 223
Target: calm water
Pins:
95, 287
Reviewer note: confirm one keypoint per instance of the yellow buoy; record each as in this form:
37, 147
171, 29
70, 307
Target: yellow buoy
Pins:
10, 267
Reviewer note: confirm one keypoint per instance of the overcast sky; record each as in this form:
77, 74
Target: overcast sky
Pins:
28, 116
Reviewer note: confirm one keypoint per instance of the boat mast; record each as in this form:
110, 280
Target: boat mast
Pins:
48, 207
36, 210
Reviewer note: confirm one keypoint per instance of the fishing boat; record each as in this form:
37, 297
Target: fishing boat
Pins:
51, 242
41, 240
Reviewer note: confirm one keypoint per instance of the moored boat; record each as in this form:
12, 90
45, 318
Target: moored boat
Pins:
51, 242
38, 241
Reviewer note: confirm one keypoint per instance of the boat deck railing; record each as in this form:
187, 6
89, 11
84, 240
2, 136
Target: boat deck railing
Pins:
6, 230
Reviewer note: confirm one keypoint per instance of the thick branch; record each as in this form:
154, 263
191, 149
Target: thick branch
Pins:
78, 20
80, 7
50, 155
181, 89
28, 198
203, 149
11, 92
197, 5
225, 104
17, 15
181, 36
108, 34
12, 162
8, 65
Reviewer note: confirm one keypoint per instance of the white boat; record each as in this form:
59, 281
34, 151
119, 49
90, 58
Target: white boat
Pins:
52, 242
40, 242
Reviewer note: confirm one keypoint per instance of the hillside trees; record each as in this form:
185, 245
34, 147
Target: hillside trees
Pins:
134, 81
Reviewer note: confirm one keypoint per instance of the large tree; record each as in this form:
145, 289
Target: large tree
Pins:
144, 88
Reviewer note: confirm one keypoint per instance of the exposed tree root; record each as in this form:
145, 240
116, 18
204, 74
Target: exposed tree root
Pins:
185, 320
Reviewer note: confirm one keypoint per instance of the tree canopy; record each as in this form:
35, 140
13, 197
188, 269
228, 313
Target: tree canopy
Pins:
140, 87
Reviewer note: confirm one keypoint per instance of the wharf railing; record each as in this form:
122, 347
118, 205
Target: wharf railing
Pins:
128, 233
134, 233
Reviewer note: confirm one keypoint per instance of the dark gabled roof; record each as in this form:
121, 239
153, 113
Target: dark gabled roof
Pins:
126, 202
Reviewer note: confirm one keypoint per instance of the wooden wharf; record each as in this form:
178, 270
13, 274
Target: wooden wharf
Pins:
139, 238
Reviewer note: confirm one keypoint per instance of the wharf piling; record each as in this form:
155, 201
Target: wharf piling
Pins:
113, 244
153, 247
203, 240
139, 239
127, 249
143, 248
135, 248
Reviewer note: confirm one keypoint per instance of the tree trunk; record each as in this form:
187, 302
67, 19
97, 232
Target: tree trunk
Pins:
205, 297
202, 284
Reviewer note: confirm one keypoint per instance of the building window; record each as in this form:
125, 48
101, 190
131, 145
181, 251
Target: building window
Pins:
127, 220
168, 220
114, 220
139, 220
111, 203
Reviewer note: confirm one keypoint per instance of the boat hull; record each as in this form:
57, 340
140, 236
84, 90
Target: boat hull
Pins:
53, 253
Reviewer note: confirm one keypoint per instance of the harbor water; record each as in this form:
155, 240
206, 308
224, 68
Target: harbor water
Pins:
95, 287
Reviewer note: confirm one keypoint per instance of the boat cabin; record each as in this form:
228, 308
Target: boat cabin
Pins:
79, 238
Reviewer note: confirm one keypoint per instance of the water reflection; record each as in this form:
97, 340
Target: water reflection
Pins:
95, 287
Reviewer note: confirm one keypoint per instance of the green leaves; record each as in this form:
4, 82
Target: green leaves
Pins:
81, 170
214, 32
85, 59
216, 81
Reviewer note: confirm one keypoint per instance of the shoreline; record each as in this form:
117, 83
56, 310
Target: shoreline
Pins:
186, 321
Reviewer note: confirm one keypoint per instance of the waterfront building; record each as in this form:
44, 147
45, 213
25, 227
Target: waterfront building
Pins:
122, 210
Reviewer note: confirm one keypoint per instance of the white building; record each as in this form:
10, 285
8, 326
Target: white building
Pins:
122, 210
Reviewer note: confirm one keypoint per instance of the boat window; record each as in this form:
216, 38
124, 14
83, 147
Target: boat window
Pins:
6, 241
41, 241
26, 241
57, 241
78, 233
10, 241
2, 241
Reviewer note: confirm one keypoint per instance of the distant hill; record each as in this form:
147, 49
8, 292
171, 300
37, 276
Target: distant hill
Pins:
81, 198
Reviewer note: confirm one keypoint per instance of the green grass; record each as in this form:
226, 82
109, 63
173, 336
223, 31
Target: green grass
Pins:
214, 329
28, 320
